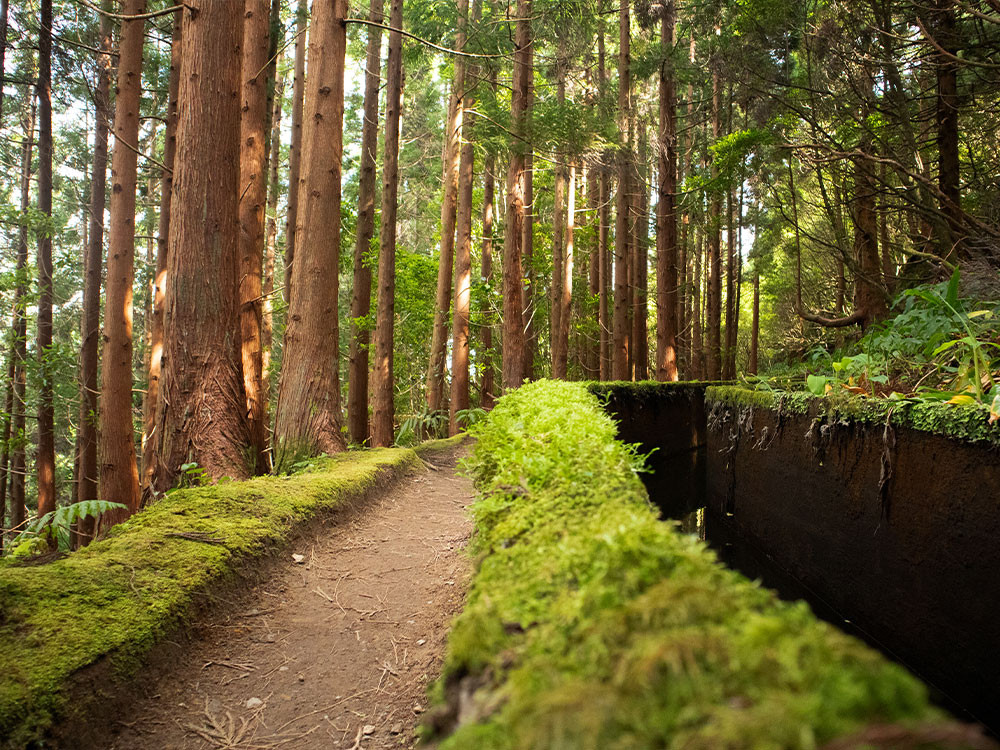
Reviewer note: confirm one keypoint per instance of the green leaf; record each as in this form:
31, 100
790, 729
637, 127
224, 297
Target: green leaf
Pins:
951, 296
817, 384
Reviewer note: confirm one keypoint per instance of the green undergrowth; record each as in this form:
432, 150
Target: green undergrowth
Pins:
591, 624
120, 596
969, 423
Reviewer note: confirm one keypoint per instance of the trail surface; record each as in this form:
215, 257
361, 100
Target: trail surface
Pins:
333, 651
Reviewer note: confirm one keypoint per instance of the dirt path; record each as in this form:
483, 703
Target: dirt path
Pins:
334, 651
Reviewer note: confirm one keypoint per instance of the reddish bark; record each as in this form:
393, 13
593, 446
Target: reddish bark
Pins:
308, 417
252, 201
295, 149
463, 276
383, 427
666, 210
620, 333
87, 434
486, 387
201, 414
149, 440
361, 296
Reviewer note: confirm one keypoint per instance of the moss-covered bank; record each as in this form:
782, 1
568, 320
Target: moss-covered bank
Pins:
590, 624
113, 601
967, 423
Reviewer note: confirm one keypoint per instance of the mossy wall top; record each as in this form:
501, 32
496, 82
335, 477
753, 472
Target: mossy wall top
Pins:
591, 624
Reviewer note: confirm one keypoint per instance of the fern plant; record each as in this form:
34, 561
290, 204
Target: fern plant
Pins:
56, 525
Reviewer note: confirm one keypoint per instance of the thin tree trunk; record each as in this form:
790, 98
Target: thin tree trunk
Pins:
446, 258
383, 427
529, 290
150, 442
18, 466
252, 201
271, 241
308, 416
46, 456
87, 434
119, 472
946, 114
459, 400
755, 326
361, 296
3, 54
619, 363
486, 390
603, 230
5, 441
201, 413
640, 255
666, 210
513, 322
295, 149
714, 263
697, 335
565, 301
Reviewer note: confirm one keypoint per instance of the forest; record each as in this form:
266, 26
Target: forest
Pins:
238, 235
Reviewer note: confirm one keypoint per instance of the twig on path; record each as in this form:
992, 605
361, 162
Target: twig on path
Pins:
231, 665
197, 536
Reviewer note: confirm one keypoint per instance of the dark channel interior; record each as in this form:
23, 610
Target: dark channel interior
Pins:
670, 426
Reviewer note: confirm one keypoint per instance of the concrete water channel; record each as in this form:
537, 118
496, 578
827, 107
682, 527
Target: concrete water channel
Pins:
891, 534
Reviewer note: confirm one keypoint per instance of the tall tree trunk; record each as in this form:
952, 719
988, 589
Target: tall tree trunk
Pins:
640, 254
565, 301
755, 326
271, 240
295, 149
560, 346
308, 416
459, 400
530, 288
593, 345
486, 389
87, 433
446, 258
697, 333
714, 264
3, 54
619, 361
252, 200
5, 432
946, 62
869, 294
201, 413
513, 322
150, 442
383, 426
46, 457
666, 209
119, 472
603, 230
18, 464
361, 295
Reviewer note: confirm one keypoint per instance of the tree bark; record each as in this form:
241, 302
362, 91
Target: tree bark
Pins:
383, 426
640, 262
46, 456
308, 416
361, 296
271, 240
603, 231
459, 400
513, 322
119, 472
755, 326
446, 258
18, 512
201, 414
295, 149
252, 200
714, 264
87, 433
529, 288
149, 440
666, 210
560, 347
565, 301
486, 390
620, 358
946, 63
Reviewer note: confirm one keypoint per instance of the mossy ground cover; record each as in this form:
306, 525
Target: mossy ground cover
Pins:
967, 423
592, 624
120, 596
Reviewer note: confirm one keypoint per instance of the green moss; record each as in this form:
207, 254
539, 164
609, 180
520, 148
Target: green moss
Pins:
592, 624
967, 423
120, 596
647, 390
